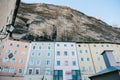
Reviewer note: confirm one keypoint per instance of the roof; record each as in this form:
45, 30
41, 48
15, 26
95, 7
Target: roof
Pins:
106, 71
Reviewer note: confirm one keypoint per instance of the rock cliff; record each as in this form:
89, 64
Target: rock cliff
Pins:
47, 22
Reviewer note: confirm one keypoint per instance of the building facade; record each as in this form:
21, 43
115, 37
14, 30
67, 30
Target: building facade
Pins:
41, 61
13, 60
90, 59
66, 65
53, 60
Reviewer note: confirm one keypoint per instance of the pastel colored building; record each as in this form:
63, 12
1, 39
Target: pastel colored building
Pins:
41, 61
66, 65
13, 60
90, 59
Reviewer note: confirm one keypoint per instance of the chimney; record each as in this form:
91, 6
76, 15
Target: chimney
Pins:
109, 58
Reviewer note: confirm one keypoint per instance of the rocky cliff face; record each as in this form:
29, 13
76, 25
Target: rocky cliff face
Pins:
46, 22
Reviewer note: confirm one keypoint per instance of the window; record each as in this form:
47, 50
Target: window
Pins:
31, 62
26, 46
8, 51
65, 45
47, 62
47, 71
102, 45
15, 51
98, 58
5, 59
23, 53
33, 47
86, 51
0, 68
11, 44
65, 53
37, 71
19, 71
73, 53
58, 44
11, 70
74, 63
66, 63
90, 68
83, 68
18, 45
49, 54
13, 60
107, 45
48, 47
58, 53
30, 71
82, 59
5, 69
72, 45
85, 77
84, 45
21, 61
79, 45
94, 45
96, 52
32, 54
88, 59
37, 62
100, 68
39, 47
58, 63
38, 54
81, 51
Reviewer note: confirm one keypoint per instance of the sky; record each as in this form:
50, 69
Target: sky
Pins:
106, 10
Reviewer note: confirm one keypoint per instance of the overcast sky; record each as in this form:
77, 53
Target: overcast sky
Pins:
106, 10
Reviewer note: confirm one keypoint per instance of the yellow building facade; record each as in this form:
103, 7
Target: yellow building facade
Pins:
90, 59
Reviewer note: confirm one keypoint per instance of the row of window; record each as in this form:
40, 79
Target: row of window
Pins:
13, 60
66, 63
65, 53
8, 51
95, 45
33, 54
88, 59
39, 47
18, 45
37, 71
86, 51
10, 70
65, 45
90, 68
38, 62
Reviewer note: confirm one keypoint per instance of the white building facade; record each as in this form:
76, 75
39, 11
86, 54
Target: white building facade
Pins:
66, 65
41, 60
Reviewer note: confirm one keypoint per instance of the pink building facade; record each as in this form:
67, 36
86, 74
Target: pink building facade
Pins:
13, 60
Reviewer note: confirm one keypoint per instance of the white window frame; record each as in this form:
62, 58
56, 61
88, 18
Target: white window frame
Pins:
11, 69
49, 53
5, 70
30, 63
39, 62
46, 71
22, 61
49, 61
